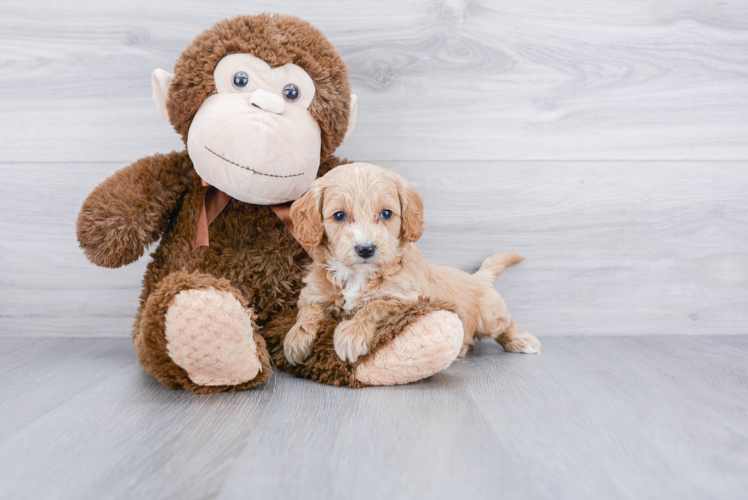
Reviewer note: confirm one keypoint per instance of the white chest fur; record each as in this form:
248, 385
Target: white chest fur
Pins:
352, 282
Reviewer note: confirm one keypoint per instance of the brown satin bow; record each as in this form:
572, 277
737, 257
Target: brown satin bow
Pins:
216, 200
213, 203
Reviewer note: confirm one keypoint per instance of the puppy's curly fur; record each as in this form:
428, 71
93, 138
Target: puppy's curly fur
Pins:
361, 222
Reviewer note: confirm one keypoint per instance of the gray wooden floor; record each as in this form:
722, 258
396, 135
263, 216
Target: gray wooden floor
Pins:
589, 418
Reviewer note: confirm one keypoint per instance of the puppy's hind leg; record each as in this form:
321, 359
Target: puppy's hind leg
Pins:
496, 323
515, 340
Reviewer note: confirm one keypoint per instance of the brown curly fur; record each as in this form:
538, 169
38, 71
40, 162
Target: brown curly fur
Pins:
251, 253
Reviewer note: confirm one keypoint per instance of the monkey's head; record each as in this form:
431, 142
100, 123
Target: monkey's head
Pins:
259, 101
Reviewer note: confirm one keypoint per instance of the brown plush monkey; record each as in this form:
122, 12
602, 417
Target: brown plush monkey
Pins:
261, 102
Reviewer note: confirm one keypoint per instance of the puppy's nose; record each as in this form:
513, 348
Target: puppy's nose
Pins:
366, 251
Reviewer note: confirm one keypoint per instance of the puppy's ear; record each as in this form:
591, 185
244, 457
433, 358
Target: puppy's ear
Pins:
411, 205
306, 214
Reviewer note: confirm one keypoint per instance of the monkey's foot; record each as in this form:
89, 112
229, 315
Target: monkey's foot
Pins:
210, 336
195, 332
424, 348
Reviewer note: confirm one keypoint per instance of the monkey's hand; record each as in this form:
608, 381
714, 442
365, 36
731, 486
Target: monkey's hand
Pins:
131, 209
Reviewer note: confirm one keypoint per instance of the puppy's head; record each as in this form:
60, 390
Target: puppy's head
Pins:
360, 215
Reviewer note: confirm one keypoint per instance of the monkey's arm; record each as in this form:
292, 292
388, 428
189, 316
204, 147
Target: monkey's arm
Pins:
131, 209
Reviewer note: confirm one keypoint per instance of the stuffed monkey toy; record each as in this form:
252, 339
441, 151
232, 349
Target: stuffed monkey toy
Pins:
261, 102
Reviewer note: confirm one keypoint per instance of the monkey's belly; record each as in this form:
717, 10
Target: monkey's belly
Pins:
249, 246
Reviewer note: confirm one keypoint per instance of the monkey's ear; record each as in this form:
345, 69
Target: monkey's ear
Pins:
160, 80
306, 214
411, 218
352, 115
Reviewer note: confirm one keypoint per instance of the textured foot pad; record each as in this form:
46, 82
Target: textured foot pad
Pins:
424, 348
209, 335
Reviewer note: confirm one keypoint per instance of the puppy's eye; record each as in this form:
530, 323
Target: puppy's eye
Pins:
291, 92
339, 216
241, 80
385, 214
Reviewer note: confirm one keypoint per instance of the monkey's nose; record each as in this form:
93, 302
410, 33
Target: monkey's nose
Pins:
366, 251
268, 101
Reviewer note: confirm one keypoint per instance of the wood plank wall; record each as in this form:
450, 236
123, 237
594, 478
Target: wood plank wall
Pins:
605, 141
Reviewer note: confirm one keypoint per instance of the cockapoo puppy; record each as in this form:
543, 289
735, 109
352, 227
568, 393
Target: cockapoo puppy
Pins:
360, 223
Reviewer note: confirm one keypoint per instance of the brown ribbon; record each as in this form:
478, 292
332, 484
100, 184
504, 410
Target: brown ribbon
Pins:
284, 214
215, 201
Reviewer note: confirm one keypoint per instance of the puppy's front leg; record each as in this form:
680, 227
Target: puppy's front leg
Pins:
297, 345
352, 338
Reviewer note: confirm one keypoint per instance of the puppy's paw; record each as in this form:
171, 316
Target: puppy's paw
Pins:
351, 341
297, 346
520, 342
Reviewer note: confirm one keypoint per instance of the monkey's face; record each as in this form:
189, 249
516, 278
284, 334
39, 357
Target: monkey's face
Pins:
259, 101
255, 138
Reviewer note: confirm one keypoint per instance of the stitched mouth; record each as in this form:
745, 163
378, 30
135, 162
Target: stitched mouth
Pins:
251, 169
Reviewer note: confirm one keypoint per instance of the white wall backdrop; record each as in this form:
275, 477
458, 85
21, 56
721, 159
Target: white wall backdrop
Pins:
605, 141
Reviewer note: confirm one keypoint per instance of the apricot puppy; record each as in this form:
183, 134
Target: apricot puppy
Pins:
360, 223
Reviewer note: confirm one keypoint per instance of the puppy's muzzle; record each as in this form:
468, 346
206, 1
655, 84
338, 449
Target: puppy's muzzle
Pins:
365, 251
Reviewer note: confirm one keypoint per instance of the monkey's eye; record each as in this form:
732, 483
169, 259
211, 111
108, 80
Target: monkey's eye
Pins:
241, 80
291, 92
385, 214
339, 216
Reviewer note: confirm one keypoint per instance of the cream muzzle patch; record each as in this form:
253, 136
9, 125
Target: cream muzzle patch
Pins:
255, 139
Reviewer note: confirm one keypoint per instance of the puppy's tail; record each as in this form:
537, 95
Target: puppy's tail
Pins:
493, 266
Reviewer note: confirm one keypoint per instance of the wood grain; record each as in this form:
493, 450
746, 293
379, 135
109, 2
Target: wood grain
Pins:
437, 79
47, 287
618, 418
611, 248
38, 375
